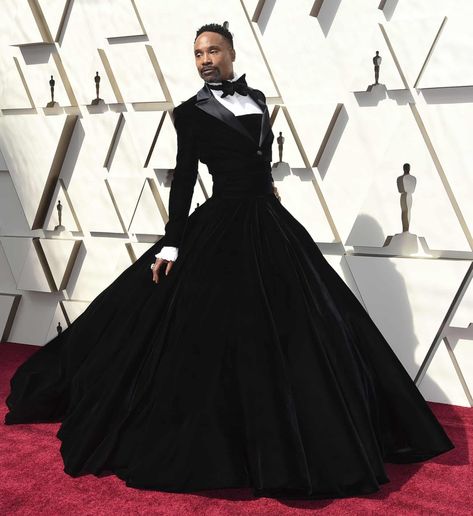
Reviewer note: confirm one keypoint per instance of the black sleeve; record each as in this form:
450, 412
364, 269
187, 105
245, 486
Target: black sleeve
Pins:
264, 99
184, 179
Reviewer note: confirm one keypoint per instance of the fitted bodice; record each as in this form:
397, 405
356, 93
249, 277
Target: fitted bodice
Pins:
249, 183
252, 123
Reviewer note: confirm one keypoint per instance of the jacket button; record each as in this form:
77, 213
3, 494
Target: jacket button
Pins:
259, 152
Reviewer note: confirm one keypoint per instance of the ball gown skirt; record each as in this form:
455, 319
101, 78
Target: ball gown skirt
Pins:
251, 364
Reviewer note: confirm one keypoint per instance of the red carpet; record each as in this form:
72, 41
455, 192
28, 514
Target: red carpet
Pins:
32, 480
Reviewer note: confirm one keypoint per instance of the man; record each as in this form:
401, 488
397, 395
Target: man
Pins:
214, 56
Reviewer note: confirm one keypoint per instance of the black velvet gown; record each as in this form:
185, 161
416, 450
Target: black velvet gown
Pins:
251, 364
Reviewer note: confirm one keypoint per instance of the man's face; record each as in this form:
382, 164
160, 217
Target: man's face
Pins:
213, 57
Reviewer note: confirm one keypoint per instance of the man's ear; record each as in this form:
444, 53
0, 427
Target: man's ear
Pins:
233, 54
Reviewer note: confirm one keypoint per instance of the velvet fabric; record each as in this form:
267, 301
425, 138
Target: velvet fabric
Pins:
252, 364
210, 133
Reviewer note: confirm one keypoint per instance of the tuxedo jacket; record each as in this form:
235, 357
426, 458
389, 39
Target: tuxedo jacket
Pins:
209, 132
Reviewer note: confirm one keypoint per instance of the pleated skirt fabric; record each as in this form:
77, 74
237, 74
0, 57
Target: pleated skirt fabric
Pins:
251, 364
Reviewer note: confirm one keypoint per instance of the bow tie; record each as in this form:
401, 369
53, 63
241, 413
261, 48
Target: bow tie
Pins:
229, 87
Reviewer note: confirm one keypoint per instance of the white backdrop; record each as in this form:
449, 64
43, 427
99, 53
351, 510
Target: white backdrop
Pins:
345, 145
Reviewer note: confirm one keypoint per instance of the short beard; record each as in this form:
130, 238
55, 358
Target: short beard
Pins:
217, 77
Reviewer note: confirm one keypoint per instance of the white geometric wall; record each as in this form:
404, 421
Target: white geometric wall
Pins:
345, 145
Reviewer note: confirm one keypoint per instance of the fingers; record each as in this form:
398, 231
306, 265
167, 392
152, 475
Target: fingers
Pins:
155, 269
276, 193
157, 266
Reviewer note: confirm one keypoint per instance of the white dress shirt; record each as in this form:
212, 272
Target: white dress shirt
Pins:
238, 105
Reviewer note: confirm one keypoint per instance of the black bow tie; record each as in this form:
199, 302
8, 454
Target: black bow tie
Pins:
229, 87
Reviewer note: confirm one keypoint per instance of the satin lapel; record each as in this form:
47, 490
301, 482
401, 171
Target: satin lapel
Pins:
208, 103
265, 125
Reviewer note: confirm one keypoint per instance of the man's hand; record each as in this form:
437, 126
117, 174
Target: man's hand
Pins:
157, 265
276, 193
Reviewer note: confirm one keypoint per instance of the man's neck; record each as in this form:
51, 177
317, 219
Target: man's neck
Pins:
235, 77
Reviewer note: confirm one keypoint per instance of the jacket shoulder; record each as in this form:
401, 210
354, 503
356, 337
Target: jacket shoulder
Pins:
185, 108
260, 94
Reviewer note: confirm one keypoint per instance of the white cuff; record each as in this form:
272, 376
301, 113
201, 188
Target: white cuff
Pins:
168, 253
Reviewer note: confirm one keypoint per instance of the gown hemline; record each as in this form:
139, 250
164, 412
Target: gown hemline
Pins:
282, 332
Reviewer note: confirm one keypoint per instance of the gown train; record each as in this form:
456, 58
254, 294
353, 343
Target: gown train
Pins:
251, 364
